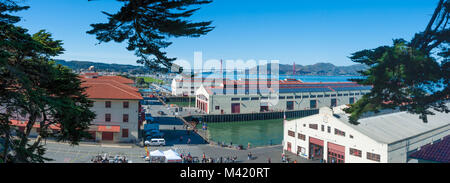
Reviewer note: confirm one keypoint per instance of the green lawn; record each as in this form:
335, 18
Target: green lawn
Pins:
151, 80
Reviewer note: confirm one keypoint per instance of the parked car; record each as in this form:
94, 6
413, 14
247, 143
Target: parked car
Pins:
161, 113
155, 142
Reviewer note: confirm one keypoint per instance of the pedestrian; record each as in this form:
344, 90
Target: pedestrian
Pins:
174, 128
231, 143
268, 160
189, 141
248, 145
181, 138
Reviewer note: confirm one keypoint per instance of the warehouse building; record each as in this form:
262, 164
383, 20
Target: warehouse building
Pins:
182, 86
255, 96
387, 137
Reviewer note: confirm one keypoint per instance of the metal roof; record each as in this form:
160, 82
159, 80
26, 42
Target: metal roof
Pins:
397, 126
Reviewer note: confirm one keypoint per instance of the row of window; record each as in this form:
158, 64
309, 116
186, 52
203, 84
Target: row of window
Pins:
126, 104
336, 131
108, 118
290, 104
369, 156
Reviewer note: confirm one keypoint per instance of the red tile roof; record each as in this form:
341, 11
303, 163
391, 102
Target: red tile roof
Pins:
110, 87
437, 152
102, 128
118, 79
36, 125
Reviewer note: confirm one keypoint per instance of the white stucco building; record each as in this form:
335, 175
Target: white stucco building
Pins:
388, 137
117, 107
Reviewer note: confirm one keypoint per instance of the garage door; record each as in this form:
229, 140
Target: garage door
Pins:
108, 136
336, 153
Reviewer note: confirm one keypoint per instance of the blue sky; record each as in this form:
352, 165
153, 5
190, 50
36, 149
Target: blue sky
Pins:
306, 32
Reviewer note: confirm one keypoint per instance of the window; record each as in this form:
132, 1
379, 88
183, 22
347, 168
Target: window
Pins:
312, 96
313, 126
339, 132
235, 99
351, 100
297, 97
245, 99
305, 96
264, 98
345, 94
108, 104
329, 129
291, 133
124, 133
333, 102
125, 118
281, 97
126, 104
356, 93
290, 105
355, 152
327, 95
255, 98
323, 128
319, 96
312, 104
352, 94
339, 95
107, 117
217, 107
301, 136
373, 157
333, 95
289, 97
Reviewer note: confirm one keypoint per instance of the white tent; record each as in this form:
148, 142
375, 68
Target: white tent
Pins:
157, 153
172, 156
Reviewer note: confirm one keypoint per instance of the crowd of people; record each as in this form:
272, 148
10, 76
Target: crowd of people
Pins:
109, 159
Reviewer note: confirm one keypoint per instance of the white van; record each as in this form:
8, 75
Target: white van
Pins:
155, 142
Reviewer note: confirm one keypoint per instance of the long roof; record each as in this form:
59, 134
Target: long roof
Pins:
110, 88
393, 127
437, 152
291, 88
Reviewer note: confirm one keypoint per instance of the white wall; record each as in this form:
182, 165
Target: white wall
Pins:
359, 141
117, 112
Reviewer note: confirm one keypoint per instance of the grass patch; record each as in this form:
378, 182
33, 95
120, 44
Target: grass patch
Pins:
152, 80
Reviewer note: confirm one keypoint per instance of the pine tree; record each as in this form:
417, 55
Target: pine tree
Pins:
34, 88
147, 24
412, 76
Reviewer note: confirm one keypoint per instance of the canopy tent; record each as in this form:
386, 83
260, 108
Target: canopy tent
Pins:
172, 156
157, 153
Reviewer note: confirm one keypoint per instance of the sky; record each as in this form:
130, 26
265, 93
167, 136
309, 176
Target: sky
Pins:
300, 31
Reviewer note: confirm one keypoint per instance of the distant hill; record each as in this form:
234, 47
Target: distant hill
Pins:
320, 69
84, 65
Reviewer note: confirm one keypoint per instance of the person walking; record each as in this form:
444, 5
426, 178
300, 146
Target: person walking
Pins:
189, 141
268, 160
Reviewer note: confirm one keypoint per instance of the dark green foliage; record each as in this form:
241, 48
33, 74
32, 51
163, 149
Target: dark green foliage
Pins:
413, 76
147, 24
34, 88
